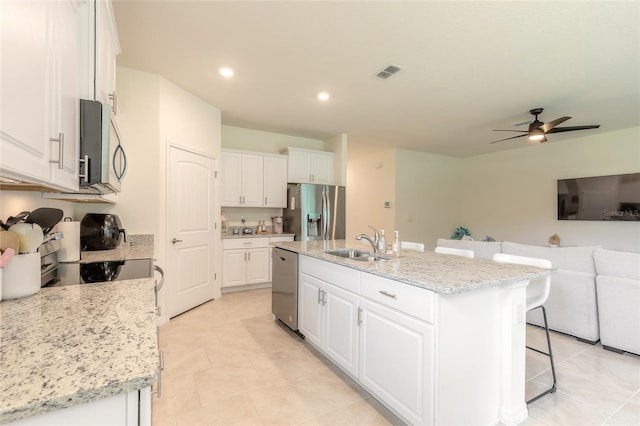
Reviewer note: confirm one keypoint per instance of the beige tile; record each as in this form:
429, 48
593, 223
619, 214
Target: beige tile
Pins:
628, 415
358, 413
184, 361
163, 421
223, 382
559, 409
179, 393
283, 405
287, 365
236, 410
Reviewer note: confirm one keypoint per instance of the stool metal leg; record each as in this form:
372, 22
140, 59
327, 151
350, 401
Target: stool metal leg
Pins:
550, 355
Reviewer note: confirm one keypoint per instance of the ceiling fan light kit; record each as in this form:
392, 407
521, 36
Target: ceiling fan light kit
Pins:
538, 130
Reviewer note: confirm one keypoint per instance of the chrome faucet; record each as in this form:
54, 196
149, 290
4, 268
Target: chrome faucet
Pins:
373, 241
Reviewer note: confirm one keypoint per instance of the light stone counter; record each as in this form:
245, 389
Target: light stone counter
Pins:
441, 273
268, 234
71, 345
137, 247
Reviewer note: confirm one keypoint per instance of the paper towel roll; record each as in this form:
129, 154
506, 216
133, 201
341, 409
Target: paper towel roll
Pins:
70, 243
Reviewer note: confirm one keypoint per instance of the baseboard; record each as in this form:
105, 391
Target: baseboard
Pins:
245, 287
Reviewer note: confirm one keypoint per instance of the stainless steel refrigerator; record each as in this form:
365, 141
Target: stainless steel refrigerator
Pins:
315, 212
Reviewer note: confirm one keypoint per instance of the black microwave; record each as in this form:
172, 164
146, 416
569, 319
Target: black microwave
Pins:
103, 162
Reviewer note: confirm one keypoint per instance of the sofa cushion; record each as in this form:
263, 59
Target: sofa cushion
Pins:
619, 311
617, 263
571, 258
481, 249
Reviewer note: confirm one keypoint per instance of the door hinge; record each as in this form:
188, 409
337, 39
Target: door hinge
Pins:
216, 174
215, 276
215, 225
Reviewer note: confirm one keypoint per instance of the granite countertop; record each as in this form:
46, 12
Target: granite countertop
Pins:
446, 274
138, 247
70, 345
268, 234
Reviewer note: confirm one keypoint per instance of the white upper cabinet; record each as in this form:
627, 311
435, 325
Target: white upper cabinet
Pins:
308, 166
251, 179
275, 181
39, 96
107, 48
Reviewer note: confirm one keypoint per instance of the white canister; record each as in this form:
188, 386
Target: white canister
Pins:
21, 276
70, 242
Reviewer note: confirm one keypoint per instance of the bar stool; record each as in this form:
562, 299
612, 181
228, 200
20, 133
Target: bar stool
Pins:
537, 294
455, 251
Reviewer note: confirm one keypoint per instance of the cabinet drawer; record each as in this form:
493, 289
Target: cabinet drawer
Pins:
414, 301
240, 243
339, 276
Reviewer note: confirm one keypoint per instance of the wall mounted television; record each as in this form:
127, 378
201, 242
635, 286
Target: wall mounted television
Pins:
609, 198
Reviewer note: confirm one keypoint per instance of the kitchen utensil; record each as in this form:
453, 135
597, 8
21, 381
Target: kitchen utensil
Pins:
6, 257
46, 217
30, 236
9, 240
12, 220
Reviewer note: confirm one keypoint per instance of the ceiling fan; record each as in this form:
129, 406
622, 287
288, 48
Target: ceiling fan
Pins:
538, 130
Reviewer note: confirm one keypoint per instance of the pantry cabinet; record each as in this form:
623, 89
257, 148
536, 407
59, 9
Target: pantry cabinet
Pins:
39, 78
309, 166
253, 180
245, 261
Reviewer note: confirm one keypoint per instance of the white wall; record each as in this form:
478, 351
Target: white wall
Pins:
511, 195
259, 141
371, 177
427, 196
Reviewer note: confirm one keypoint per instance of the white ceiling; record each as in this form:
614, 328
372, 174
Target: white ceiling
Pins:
469, 67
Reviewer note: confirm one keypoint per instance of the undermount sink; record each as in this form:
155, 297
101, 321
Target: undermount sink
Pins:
355, 254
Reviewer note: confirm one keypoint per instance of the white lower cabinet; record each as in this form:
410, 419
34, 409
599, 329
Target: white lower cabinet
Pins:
374, 329
245, 261
328, 314
396, 361
125, 409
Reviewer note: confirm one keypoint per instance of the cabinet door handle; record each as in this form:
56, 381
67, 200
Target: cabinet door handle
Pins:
60, 160
319, 296
240, 199
324, 297
84, 176
359, 315
114, 105
265, 201
249, 256
386, 293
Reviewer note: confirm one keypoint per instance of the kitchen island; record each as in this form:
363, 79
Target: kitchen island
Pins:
84, 354
438, 339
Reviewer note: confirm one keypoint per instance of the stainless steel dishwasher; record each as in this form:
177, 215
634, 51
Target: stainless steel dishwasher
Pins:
284, 287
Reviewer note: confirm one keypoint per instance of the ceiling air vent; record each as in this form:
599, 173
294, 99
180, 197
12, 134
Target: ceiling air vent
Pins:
388, 71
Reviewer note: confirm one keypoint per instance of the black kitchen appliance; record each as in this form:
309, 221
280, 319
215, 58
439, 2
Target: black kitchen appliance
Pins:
97, 272
100, 231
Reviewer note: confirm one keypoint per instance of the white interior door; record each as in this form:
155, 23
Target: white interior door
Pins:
190, 230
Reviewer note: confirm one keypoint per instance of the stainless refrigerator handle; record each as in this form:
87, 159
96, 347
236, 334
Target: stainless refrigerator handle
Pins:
327, 214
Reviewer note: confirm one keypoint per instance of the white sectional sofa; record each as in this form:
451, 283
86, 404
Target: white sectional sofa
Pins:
618, 288
595, 293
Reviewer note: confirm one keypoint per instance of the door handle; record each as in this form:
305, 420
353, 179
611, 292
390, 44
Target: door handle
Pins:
386, 293
174, 241
60, 160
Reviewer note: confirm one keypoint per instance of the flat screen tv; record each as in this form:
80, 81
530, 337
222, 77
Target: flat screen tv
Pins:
614, 198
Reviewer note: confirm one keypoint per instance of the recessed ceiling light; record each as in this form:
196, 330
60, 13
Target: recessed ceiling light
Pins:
226, 72
323, 96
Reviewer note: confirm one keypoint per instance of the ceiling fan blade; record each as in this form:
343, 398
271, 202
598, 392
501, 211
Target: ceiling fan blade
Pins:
506, 139
572, 128
519, 131
551, 124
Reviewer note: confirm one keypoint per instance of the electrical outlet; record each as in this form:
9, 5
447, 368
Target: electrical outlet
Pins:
387, 204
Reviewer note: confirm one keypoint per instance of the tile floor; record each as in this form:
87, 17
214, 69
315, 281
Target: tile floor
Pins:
228, 363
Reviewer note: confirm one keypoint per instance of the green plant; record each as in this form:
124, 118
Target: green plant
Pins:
460, 232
